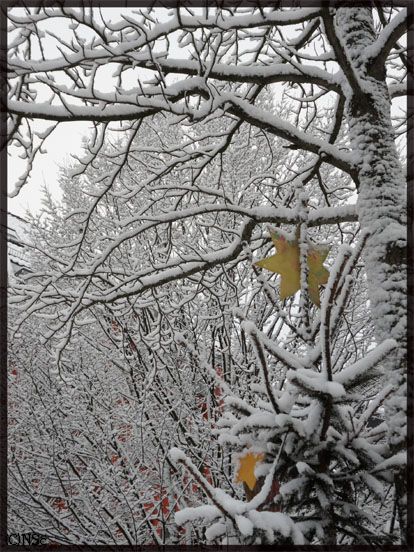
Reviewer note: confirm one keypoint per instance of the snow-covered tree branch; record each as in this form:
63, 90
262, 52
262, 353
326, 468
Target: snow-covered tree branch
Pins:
226, 145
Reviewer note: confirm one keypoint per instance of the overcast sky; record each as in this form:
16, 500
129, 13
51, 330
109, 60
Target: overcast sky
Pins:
67, 138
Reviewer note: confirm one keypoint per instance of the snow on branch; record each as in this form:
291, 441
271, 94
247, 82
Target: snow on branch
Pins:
350, 375
147, 36
378, 52
289, 360
263, 75
316, 384
303, 140
243, 515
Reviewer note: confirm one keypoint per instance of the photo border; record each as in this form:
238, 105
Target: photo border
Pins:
6, 4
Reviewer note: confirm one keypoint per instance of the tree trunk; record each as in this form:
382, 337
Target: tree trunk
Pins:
382, 211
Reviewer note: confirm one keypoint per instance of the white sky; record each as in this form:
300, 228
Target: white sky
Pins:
67, 140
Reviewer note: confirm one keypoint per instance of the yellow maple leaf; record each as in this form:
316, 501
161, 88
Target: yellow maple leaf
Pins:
286, 263
247, 464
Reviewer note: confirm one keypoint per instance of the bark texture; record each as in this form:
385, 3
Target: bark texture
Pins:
382, 211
